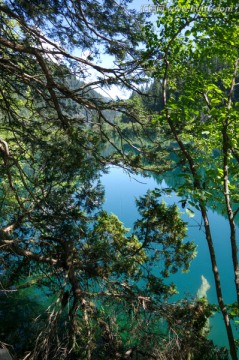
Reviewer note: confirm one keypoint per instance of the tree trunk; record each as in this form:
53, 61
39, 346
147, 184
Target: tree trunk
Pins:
230, 213
221, 303
197, 185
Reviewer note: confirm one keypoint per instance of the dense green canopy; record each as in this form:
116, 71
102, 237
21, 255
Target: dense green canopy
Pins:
75, 283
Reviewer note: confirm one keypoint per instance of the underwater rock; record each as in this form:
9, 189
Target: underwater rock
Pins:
205, 286
4, 355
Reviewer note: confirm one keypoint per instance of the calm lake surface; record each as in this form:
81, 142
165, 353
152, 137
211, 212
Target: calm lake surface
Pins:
120, 193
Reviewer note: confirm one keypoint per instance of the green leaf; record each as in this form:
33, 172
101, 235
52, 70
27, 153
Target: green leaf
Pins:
190, 213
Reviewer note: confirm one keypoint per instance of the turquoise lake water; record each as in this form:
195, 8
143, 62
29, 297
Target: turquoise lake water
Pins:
120, 193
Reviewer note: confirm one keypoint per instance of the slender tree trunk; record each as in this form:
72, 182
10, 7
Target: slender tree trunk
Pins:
216, 275
221, 303
230, 213
209, 239
79, 301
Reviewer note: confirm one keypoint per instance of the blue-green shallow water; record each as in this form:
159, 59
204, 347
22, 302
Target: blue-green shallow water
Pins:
120, 193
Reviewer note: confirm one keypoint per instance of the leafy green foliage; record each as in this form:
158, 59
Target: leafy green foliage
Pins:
194, 53
90, 285
162, 231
